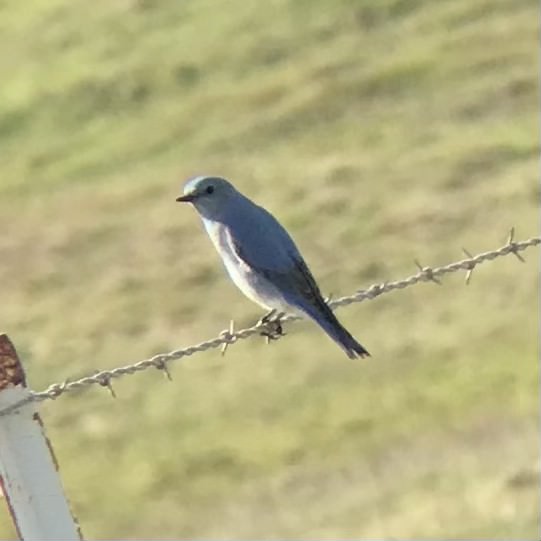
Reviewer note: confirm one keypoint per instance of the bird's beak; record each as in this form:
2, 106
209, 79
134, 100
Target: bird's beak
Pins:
188, 198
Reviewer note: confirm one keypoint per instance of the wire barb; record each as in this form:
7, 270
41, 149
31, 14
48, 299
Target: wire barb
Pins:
513, 247
104, 379
228, 334
161, 364
427, 272
470, 267
231, 336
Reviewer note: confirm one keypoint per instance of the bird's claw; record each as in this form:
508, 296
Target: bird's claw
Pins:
267, 318
273, 331
272, 326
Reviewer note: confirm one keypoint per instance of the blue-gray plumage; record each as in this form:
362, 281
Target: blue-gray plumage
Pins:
261, 257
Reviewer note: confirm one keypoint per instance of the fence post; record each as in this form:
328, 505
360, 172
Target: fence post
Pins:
28, 469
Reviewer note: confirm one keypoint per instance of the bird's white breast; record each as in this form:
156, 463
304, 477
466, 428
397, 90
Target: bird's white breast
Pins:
252, 283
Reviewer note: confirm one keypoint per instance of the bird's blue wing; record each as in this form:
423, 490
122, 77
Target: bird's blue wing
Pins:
261, 243
293, 276
260, 240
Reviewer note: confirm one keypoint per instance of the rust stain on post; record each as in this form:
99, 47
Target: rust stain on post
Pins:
38, 420
11, 370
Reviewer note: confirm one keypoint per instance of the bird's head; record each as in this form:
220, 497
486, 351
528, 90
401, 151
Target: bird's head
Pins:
209, 195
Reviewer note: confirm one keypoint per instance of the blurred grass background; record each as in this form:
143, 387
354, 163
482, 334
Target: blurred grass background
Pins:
378, 131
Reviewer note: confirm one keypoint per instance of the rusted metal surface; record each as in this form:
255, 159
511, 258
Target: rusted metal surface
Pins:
11, 370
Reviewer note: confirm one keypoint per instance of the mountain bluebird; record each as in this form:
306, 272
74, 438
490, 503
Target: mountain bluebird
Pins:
261, 258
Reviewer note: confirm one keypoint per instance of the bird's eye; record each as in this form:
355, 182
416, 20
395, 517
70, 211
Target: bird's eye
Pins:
210, 189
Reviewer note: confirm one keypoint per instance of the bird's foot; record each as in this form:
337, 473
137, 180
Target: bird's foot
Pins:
269, 316
272, 326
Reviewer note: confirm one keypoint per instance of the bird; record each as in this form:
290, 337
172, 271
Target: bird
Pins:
261, 258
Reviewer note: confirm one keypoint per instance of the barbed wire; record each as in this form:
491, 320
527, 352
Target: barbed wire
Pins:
268, 327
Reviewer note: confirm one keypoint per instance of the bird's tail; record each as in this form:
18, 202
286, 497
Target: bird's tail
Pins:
326, 319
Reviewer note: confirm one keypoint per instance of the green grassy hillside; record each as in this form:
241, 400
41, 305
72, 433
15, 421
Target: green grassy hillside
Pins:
379, 132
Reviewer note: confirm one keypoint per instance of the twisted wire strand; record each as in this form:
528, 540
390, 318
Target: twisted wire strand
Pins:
228, 337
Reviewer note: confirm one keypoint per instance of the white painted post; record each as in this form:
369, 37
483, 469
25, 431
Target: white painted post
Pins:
28, 469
